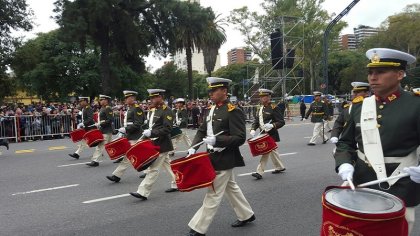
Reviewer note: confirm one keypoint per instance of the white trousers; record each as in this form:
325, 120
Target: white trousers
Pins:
97, 155
318, 132
182, 137
224, 185
275, 158
327, 126
145, 187
81, 146
410, 217
124, 164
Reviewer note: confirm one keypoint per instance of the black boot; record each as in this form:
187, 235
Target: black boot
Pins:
74, 155
240, 223
142, 176
257, 176
194, 233
114, 178
93, 164
139, 196
119, 160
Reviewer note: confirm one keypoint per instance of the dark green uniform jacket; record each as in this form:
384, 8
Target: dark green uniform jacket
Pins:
162, 126
273, 113
399, 127
319, 112
135, 119
183, 116
88, 118
231, 120
105, 120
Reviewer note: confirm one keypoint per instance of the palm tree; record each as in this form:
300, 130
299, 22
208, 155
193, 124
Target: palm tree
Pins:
213, 38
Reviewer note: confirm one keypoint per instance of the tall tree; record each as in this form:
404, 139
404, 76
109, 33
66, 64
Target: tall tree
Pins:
213, 38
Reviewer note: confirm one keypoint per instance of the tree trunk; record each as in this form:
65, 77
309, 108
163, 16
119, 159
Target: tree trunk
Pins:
188, 53
105, 64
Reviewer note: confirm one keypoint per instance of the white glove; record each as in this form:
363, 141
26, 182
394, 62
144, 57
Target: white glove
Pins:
120, 135
304, 119
122, 130
334, 139
146, 121
191, 151
80, 126
147, 133
252, 133
268, 127
346, 171
97, 125
178, 123
414, 172
210, 140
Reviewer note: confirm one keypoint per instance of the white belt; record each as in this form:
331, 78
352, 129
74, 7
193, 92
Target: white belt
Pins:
406, 161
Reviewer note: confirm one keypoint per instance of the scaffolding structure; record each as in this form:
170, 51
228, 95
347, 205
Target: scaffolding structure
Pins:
287, 80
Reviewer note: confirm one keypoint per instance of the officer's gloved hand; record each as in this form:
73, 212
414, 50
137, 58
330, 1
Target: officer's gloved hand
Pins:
414, 172
147, 132
178, 123
80, 126
334, 139
210, 140
97, 125
268, 127
122, 130
146, 121
191, 151
346, 171
252, 133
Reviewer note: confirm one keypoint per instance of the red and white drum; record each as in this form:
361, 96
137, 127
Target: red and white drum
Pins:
193, 172
362, 212
117, 148
77, 135
143, 154
262, 144
93, 137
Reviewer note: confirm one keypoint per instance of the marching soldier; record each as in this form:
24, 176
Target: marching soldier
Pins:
360, 91
269, 119
133, 121
330, 109
87, 123
224, 156
319, 112
381, 136
160, 125
181, 121
105, 126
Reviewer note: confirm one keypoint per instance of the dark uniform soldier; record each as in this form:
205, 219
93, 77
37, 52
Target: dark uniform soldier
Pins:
105, 126
181, 121
87, 123
269, 118
224, 156
133, 121
382, 134
160, 125
330, 109
319, 112
360, 91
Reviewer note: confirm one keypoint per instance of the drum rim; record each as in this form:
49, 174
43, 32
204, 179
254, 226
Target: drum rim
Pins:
116, 140
398, 202
258, 137
185, 159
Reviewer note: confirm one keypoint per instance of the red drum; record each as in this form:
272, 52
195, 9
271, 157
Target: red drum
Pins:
193, 172
93, 137
262, 144
117, 148
143, 154
362, 212
77, 135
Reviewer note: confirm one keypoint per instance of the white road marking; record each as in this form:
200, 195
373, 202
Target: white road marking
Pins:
76, 164
284, 154
107, 198
308, 137
46, 189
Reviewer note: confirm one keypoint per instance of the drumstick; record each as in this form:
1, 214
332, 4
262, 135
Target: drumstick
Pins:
383, 180
198, 144
142, 136
262, 130
351, 183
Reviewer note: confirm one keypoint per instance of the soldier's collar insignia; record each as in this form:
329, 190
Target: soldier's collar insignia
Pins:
392, 97
389, 98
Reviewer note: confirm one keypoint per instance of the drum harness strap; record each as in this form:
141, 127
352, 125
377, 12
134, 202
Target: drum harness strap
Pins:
260, 116
210, 130
374, 155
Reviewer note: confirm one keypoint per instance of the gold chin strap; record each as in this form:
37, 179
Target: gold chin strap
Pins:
382, 64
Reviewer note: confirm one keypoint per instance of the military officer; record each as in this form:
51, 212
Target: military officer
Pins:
105, 126
360, 91
269, 119
382, 133
160, 125
133, 121
87, 123
181, 121
330, 109
224, 156
319, 112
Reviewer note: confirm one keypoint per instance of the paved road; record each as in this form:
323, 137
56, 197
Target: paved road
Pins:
44, 192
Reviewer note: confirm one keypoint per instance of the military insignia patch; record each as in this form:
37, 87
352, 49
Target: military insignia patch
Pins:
231, 107
139, 113
375, 58
110, 113
392, 97
169, 117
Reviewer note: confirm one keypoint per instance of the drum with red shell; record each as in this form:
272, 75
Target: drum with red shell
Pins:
77, 135
262, 144
362, 211
193, 172
117, 148
143, 154
93, 137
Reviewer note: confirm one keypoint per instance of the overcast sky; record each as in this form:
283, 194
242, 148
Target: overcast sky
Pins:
366, 12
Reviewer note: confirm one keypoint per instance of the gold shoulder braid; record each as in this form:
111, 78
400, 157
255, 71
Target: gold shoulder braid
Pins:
346, 105
164, 107
358, 99
273, 106
416, 94
231, 107
136, 105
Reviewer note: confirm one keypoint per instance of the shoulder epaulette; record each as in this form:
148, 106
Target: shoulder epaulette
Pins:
273, 106
164, 107
136, 105
358, 99
417, 94
231, 107
346, 105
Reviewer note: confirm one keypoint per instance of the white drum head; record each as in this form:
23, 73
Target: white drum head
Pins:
257, 137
